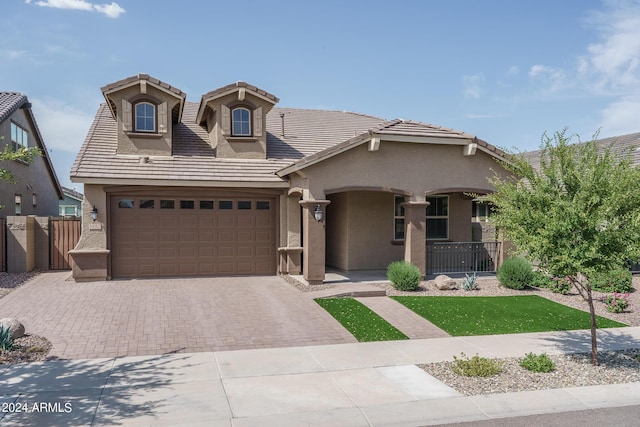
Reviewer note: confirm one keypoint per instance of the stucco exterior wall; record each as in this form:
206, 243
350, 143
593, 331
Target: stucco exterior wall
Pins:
30, 179
139, 143
412, 167
338, 231
460, 228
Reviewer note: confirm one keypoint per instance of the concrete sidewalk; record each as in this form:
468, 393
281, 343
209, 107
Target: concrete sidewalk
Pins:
365, 384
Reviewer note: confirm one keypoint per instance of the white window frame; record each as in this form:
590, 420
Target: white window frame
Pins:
428, 217
240, 121
153, 116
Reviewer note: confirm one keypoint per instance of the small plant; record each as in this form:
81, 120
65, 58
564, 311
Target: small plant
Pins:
469, 283
6, 340
560, 285
537, 363
515, 273
36, 349
476, 366
616, 303
618, 280
541, 279
404, 276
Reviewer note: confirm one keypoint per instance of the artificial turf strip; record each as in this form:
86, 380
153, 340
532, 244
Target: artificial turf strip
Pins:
364, 324
463, 316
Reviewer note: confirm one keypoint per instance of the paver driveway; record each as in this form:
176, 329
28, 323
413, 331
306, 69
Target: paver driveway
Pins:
139, 317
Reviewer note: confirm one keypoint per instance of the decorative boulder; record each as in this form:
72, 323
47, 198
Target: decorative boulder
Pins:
16, 328
445, 283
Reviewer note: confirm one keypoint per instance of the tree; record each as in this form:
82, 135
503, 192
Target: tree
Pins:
23, 154
576, 215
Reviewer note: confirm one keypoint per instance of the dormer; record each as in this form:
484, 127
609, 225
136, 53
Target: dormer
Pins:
146, 110
235, 118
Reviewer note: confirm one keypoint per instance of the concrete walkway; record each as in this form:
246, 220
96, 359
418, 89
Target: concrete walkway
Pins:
408, 322
364, 384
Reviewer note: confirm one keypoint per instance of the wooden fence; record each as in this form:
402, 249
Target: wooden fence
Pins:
64, 233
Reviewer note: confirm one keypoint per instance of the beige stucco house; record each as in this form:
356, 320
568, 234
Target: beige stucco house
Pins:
234, 185
36, 189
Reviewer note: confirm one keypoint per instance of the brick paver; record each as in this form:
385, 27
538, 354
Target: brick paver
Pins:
158, 316
409, 323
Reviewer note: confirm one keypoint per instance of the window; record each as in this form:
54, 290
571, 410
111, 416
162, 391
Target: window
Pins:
68, 210
125, 203
262, 206
438, 217
18, 203
241, 122
167, 204
225, 204
145, 117
398, 218
206, 204
481, 210
147, 204
244, 204
19, 137
187, 204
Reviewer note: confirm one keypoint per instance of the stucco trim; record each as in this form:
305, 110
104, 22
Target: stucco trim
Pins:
459, 190
187, 183
366, 188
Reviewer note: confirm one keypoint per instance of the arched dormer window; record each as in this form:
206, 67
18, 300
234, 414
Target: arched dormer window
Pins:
241, 122
145, 117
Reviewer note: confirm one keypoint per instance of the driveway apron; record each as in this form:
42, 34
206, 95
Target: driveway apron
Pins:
158, 316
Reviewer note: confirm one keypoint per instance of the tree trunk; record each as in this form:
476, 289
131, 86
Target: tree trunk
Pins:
594, 341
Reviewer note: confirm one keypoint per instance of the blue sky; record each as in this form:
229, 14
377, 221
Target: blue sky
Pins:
503, 70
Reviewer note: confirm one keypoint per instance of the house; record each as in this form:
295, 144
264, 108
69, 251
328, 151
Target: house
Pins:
233, 185
36, 190
71, 205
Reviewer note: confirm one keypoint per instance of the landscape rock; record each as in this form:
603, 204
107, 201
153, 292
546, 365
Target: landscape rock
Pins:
16, 328
445, 283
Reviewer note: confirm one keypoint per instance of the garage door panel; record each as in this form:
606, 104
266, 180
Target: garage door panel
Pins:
192, 238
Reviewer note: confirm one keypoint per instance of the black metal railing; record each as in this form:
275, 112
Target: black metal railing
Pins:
462, 257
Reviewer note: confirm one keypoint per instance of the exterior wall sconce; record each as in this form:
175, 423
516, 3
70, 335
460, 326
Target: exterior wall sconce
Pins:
317, 213
94, 214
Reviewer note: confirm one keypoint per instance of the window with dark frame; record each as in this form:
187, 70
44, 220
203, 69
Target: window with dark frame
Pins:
398, 218
19, 137
437, 218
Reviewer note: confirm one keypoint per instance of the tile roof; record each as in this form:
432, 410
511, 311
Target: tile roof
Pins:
294, 136
240, 84
10, 102
618, 144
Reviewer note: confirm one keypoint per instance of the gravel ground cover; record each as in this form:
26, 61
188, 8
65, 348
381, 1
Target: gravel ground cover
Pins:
28, 348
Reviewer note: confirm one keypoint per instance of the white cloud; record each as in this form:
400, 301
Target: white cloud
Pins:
614, 61
555, 79
513, 70
63, 126
112, 10
621, 117
473, 86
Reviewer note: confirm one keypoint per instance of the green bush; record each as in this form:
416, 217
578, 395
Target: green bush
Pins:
541, 279
476, 366
613, 281
6, 340
515, 273
537, 363
404, 276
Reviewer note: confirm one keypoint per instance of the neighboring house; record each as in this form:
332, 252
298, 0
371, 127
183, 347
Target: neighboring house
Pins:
72, 203
233, 185
36, 190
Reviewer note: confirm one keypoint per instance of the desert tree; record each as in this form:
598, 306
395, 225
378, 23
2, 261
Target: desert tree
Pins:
576, 214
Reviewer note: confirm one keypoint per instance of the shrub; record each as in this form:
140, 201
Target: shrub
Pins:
404, 276
6, 340
541, 279
560, 285
537, 363
618, 280
515, 273
469, 283
616, 303
476, 366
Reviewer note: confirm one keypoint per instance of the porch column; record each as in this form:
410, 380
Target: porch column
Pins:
415, 234
313, 238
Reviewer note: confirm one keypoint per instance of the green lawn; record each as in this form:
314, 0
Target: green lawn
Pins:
364, 324
462, 316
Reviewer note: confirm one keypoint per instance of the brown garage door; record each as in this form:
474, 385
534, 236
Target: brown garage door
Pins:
166, 236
